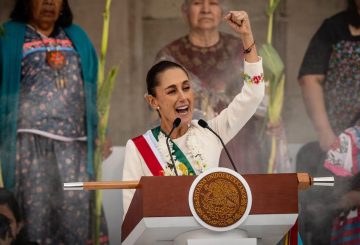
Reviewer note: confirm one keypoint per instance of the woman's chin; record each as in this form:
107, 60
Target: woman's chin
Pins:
185, 119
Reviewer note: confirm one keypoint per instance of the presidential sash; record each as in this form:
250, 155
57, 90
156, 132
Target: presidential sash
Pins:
147, 146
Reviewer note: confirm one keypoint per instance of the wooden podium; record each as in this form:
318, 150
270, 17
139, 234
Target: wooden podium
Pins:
159, 212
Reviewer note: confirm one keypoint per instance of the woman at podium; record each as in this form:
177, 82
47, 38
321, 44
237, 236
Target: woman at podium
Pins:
180, 141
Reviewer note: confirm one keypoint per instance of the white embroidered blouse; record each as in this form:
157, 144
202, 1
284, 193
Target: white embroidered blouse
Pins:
226, 124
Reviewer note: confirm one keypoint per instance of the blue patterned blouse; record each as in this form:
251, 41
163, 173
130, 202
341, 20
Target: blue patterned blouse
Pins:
43, 104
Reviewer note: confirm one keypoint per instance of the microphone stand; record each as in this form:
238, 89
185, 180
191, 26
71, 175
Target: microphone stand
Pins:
204, 124
176, 123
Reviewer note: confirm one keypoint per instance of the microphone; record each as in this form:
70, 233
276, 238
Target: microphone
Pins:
176, 123
204, 124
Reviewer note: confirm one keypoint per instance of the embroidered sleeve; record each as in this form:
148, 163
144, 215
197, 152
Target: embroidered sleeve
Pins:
253, 72
254, 79
229, 122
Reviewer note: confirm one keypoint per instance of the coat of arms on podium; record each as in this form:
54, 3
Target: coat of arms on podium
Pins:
220, 199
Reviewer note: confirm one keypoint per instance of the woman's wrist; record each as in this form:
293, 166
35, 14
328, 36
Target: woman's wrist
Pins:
249, 48
247, 40
252, 56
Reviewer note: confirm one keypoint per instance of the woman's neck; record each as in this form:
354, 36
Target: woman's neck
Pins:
44, 28
178, 132
354, 31
204, 39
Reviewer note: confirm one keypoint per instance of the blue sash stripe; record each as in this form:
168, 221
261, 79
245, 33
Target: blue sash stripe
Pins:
43, 49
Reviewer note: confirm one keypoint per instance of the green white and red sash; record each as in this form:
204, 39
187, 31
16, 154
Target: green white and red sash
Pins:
147, 145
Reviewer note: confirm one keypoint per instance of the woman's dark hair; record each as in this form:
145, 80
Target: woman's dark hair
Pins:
8, 199
353, 16
22, 13
152, 76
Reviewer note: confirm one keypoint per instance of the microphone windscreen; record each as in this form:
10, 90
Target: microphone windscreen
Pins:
176, 122
203, 123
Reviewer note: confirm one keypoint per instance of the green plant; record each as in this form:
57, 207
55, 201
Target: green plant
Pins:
105, 87
274, 74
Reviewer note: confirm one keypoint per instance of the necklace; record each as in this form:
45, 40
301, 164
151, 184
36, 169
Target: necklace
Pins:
194, 155
55, 59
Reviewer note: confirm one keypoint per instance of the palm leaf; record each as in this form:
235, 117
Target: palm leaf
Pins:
273, 65
276, 103
274, 74
105, 88
104, 97
272, 7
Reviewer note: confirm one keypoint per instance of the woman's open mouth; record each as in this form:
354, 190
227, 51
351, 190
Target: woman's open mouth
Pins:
182, 110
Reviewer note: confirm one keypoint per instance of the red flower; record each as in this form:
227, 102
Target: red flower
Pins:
256, 79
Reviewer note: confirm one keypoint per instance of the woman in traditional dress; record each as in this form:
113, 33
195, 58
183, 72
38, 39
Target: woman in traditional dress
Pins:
48, 74
194, 149
329, 79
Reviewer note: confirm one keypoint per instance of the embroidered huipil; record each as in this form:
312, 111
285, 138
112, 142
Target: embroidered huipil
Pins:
44, 108
37, 120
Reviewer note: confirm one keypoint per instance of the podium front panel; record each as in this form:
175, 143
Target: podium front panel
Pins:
167, 196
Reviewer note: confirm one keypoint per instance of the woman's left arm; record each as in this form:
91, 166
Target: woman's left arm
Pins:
229, 122
244, 105
240, 23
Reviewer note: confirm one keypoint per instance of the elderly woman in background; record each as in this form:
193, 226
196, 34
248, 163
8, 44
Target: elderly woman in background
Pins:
48, 74
194, 149
214, 61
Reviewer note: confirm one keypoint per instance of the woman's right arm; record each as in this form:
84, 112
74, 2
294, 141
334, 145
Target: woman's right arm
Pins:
132, 171
313, 96
311, 76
